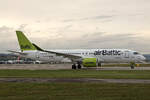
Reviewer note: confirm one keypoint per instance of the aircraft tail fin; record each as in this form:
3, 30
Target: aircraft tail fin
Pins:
25, 44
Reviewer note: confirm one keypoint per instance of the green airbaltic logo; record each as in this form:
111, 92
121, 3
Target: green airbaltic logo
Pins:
26, 47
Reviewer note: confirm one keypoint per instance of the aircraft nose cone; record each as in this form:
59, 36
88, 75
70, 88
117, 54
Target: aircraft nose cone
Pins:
143, 58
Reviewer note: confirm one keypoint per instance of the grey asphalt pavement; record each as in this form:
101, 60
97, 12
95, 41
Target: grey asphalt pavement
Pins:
68, 66
61, 66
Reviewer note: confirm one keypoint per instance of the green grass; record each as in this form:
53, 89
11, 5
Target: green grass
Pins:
130, 74
73, 91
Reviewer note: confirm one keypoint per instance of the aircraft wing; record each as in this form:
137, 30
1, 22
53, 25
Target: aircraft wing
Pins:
21, 53
64, 55
57, 53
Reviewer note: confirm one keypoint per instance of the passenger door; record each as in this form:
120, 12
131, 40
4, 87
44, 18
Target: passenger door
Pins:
126, 54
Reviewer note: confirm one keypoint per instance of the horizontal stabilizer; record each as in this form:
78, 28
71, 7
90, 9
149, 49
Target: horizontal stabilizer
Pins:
21, 53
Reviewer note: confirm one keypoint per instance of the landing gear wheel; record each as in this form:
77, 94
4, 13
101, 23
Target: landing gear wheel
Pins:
79, 66
74, 66
132, 67
99, 64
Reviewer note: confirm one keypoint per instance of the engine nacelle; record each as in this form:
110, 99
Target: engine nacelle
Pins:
89, 62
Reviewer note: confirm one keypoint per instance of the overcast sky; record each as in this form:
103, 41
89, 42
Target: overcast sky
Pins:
70, 24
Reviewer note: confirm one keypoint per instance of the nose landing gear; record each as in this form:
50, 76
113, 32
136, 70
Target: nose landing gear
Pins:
132, 65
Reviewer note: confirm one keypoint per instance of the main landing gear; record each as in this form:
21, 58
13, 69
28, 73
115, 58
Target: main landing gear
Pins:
78, 66
74, 66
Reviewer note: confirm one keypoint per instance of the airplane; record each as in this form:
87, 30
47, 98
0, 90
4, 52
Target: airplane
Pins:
79, 57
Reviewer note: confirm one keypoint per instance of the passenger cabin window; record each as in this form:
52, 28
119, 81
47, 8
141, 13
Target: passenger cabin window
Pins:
135, 53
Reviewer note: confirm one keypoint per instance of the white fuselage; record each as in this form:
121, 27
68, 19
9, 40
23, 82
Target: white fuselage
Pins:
102, 55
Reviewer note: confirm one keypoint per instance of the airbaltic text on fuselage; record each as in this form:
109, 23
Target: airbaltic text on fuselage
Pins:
107, 52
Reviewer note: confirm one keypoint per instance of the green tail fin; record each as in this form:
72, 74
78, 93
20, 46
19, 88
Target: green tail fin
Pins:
25, 44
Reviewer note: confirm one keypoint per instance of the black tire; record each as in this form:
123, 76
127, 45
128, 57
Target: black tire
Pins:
132, 67
99, 64
73, 66
79, 66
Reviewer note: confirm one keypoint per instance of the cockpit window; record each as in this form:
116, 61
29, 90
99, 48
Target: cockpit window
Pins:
135, 53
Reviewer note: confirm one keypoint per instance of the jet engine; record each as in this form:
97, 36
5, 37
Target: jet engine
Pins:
89, 62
